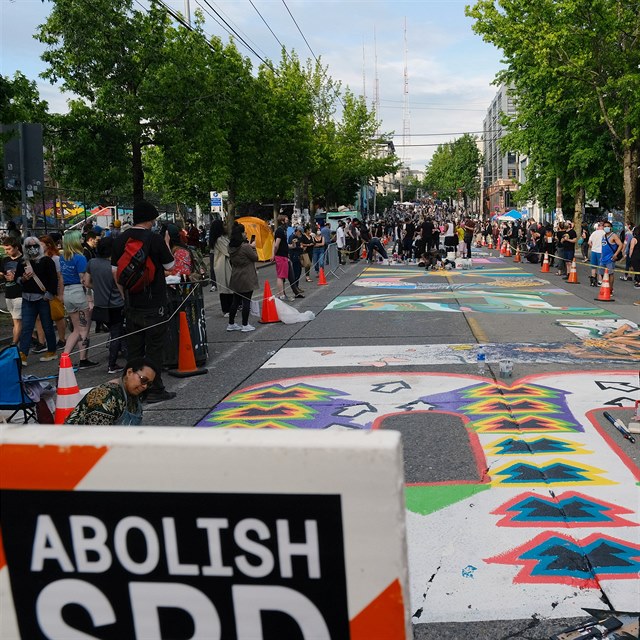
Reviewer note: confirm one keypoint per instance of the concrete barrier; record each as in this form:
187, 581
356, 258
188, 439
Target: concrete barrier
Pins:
161, 533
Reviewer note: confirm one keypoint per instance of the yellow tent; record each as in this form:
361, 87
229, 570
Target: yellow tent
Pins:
264, 238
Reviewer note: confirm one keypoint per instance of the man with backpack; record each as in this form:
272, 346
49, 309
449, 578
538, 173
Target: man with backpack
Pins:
139, 260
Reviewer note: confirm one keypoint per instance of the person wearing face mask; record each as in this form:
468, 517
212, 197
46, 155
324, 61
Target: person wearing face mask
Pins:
37, 276
611, 251
117, 402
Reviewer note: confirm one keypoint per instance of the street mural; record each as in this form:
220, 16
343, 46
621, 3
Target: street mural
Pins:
621, 346
480, 301
547, 510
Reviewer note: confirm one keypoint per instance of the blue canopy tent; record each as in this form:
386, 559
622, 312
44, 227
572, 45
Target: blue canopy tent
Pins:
511, 215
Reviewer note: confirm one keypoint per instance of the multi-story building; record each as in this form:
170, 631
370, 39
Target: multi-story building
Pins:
500, 171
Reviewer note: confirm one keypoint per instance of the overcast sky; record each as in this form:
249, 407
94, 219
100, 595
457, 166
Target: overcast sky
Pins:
450, 69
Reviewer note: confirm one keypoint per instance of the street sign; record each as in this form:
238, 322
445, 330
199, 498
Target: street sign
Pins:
215, 201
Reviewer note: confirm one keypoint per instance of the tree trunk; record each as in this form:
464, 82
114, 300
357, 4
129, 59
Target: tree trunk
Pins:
559, 199
231, 206
630, 178
137, 172
578, 209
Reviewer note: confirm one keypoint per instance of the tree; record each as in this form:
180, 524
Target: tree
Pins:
453, 169
592, 45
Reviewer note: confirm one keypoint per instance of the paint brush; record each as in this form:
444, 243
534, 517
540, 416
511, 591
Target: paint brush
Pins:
619, 425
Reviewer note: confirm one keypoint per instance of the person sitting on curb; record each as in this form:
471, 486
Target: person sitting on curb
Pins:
116, 402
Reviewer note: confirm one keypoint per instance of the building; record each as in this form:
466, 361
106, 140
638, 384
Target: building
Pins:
500, 170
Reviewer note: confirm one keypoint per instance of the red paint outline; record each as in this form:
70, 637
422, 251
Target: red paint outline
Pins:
524, 576
614, 512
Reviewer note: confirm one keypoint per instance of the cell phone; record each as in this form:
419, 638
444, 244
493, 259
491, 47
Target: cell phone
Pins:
253, 237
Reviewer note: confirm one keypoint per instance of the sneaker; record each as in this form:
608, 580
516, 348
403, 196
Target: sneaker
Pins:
23, 357
636, 285
225, 315
87, 364
60, 344
39, 348
637, 302
159, 396
299, 295
234, 327
116, 368
48, 356
213, 288
247, 327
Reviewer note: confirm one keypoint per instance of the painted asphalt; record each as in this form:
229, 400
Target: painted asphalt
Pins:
522, 503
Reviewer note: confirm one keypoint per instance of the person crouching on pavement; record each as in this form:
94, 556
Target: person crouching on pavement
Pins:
117, 402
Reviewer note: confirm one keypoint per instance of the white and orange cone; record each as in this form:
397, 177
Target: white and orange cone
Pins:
68, 393
604, 295
573, 273
545, 263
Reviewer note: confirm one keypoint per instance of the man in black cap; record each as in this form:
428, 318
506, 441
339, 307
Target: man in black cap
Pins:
148, 307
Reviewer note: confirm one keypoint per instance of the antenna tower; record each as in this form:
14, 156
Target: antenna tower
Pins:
406, 128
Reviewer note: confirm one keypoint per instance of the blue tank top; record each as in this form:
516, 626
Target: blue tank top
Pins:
608, 249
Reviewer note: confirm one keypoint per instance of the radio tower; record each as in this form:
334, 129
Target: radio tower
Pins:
406, 128
376, 86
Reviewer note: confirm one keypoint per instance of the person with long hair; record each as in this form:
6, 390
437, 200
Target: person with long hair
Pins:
51, 250
220, 264
73, 266
244, 277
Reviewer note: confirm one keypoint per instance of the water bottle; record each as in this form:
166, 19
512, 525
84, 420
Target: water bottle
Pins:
481, 359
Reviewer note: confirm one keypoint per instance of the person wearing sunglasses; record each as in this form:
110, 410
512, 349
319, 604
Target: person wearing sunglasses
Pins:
117, 402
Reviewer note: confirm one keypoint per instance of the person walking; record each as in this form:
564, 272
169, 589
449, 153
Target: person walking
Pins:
280, 255
146, 311
36, 275
51, 249
319, 248
73, 266
244, 277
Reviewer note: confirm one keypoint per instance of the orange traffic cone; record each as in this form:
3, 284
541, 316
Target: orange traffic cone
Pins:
502, 249
321, 278
507, 250
363, 255
545, 263
605, 290
269, 311
490, 242
186, 357
517, 258
573, 273
68, 393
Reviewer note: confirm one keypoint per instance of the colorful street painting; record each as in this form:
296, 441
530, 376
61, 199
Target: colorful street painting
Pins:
620, 349
547, 514
467, 302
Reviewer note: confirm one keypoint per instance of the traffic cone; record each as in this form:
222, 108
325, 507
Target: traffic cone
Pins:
186, 357
363, 255
483, 242
545, 263
507, 251
517, 258
269, 311
490, 242
605, 290
68, 393
321, 278
573, 273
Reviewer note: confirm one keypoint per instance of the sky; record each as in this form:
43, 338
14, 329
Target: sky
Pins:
450, 69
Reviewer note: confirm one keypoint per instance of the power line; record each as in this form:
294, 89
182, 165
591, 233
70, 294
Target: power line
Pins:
267, 25
300, 31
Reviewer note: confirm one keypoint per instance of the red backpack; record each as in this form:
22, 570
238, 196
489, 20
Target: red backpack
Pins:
136, 271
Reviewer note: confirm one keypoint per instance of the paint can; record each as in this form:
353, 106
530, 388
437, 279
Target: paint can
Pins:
506, 368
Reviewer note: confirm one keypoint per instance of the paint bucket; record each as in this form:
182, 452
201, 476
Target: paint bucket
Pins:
506, 368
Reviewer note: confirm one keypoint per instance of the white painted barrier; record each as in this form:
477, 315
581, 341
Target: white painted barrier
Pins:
157, 533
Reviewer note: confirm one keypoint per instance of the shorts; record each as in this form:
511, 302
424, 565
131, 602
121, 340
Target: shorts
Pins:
595, 259
282, 267
607, 265
75, 299
14, 307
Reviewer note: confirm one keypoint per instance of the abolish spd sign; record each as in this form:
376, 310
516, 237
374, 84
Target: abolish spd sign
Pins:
153, 565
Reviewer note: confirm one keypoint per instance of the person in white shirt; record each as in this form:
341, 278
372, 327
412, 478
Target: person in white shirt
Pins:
595, 245
340, 242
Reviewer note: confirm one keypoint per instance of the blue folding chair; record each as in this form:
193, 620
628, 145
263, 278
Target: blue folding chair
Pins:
12, 393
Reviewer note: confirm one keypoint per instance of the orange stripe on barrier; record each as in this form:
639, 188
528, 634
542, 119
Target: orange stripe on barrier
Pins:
383, 618
48, 467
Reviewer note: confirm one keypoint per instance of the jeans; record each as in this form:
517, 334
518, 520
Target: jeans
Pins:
295, 271
31, 309
376, 245
318, 257
116, 333
149, 342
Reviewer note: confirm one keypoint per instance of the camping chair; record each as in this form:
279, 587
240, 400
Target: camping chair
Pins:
12, 393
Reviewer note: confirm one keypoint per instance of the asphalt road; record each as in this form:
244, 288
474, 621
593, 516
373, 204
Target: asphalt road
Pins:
393, 336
